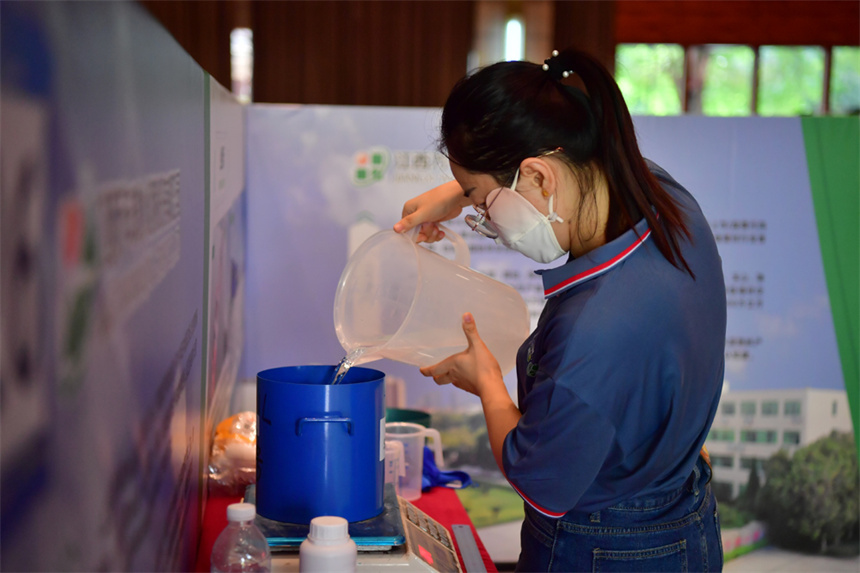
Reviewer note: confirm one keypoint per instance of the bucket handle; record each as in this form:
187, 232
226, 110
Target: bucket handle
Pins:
303, 421
461, 249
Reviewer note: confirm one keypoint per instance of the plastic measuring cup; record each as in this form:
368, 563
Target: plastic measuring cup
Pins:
413, 437
395, 466
399, 300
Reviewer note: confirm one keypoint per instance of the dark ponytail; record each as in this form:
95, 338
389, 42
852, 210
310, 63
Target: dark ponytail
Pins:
509, 111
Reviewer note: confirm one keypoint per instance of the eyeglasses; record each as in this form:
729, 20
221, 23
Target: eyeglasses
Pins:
482, 224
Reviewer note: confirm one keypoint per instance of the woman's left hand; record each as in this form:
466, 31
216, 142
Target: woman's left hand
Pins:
474, 370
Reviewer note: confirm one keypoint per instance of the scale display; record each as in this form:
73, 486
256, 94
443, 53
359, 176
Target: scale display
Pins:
429, 540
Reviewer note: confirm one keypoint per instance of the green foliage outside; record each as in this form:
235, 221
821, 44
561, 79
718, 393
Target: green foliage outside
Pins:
651, 77
791, 80
740, 511
743, 550
845, 80
489, 504
811, 500
733, 516
727, 89
747, 499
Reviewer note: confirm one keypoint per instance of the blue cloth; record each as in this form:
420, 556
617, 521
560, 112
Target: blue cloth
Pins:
675, 531
620, 381
433, 476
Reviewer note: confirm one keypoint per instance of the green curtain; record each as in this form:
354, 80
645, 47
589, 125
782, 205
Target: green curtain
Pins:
833, 156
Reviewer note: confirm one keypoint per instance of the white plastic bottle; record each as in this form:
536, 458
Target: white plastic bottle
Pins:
328, 548
241, 546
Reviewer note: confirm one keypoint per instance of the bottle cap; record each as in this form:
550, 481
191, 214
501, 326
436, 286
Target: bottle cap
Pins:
329, 529
241, 512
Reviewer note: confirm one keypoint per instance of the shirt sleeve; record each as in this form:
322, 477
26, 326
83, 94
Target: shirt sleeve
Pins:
556, 450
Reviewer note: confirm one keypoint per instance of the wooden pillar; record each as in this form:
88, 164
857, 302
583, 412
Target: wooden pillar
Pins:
587, 25
828, 73
401, 53
756, 80
202, 28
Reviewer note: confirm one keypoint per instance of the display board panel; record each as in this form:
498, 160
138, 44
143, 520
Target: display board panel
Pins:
225, 252
750, 176
306, 207
110, 183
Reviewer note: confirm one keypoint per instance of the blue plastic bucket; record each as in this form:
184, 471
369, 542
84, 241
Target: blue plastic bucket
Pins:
320, 447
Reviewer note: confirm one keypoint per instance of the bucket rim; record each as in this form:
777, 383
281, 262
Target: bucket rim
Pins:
318, 374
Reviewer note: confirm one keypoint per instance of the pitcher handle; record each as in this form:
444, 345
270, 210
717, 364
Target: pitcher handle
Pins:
433, 434
461, 249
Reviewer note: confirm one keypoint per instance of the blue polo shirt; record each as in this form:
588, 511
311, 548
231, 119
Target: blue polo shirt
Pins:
619, 382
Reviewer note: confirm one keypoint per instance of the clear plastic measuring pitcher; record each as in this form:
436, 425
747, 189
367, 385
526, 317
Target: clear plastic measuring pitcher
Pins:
399, 300
413, 437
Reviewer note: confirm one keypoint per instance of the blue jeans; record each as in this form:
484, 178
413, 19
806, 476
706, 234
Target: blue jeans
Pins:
676, 531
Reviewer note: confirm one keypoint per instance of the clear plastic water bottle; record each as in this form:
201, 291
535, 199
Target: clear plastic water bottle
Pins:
241, 546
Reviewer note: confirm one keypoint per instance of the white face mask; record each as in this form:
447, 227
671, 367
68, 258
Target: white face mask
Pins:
518, 225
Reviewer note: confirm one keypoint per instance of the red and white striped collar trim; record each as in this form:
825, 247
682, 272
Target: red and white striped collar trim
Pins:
595, 263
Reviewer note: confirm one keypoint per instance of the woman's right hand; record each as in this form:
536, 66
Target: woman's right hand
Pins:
439, 204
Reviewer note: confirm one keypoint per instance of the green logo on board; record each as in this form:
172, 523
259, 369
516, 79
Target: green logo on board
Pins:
370, 166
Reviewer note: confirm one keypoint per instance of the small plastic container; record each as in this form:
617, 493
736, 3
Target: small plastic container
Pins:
328, 547
241, 546
395, 464
413, 437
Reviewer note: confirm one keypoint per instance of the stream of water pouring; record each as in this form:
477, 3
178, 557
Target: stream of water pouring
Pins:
347, 363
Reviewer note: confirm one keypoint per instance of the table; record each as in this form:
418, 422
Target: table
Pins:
440, 503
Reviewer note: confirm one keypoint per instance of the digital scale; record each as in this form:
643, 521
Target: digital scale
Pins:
401, 538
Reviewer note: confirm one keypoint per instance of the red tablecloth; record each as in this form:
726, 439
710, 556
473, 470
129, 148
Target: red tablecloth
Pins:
443, 505
440, 503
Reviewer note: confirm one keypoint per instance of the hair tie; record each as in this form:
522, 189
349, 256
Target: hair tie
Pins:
554, 66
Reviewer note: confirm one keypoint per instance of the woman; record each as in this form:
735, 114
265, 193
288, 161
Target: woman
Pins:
619, 382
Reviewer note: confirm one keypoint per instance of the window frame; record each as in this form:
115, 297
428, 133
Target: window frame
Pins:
693, 85
787, 403
759, 437
721, 435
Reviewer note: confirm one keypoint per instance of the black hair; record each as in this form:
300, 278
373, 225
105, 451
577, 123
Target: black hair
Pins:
508, 111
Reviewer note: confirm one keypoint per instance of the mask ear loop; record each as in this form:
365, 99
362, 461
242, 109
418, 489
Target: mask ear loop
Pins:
553, 216
516, 178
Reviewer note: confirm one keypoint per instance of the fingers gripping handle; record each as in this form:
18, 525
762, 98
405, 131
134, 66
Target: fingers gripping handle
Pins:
461, 249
